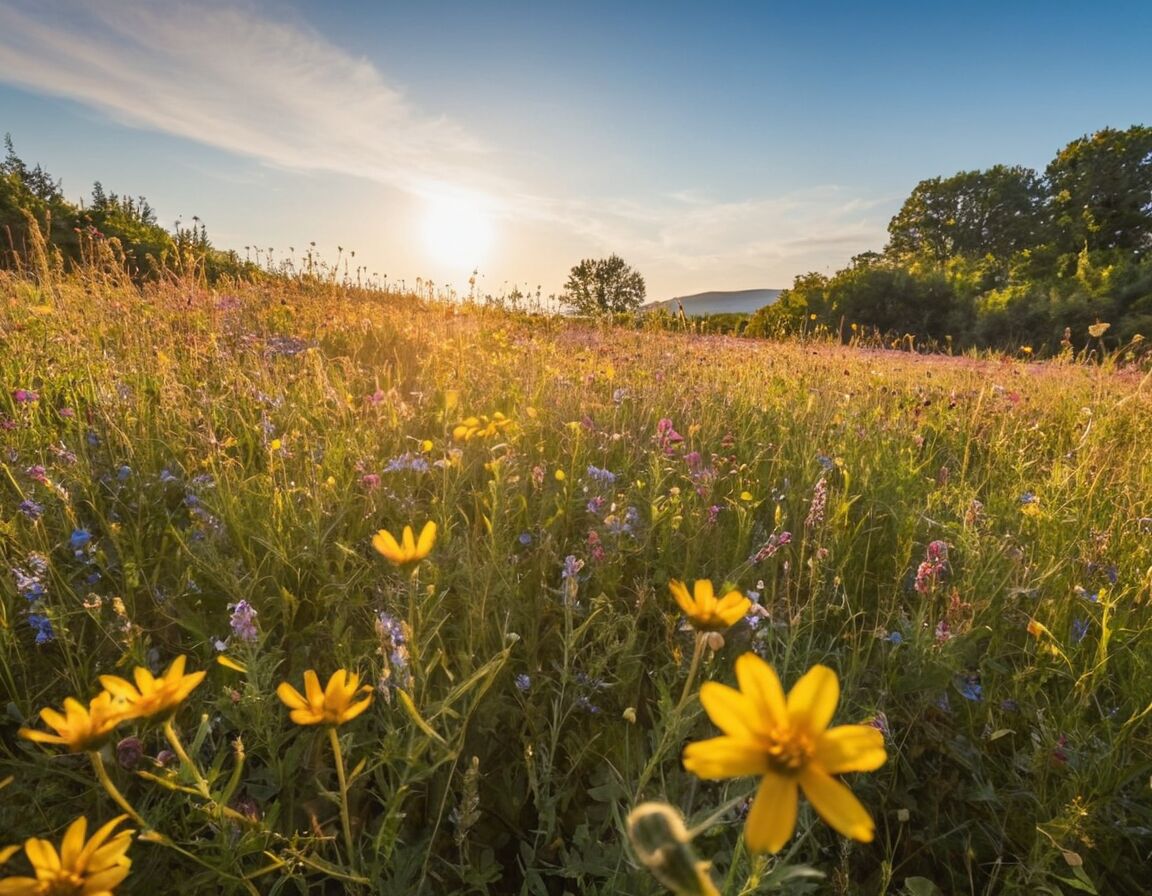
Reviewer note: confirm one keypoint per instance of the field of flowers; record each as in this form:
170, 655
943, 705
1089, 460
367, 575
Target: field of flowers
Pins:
309, 590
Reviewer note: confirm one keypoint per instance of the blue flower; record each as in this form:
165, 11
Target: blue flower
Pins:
1079, 630
894, 637
971, 689
43, 626
80, 539
523, 682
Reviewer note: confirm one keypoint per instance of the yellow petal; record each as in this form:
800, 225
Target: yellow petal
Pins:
355, 709
99, 854
334, 694
759, 682
312, 691
812, 700
305, 717
229, 663
724, 757
837, 805
682, 598
41, 737
705, 598
103, 881
408, 545
176, 669
8, 851
731, 711
118, 687
385, 543
850, 748
19, 886
291, 697
427, 539
42, 854
73, 843
773, 816
732, 607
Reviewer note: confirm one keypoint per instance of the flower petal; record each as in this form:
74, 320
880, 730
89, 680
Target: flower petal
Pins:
355, 709
427, 539
837, 805
118, 687
385, 543
759, 682
812, 700
336, 693
731, 711
312, 691
41, 854
73, 843
291, 697
732, 607
724, 757
408, 544
772, 819
850, 748
682, 597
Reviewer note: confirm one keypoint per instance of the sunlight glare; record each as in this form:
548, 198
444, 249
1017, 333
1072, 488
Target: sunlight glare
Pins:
457, 230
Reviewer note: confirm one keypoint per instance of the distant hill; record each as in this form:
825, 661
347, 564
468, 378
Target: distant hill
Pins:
739, 301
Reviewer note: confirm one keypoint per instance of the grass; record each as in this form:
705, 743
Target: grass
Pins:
184, 450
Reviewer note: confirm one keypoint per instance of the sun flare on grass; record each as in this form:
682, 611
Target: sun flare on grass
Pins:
457, 229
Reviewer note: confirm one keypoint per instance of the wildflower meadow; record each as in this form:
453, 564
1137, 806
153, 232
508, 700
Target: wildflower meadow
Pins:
312, 589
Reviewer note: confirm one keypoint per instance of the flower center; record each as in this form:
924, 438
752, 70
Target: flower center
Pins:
788, 751
64, 882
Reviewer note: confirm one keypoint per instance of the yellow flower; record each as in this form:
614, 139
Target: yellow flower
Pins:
788, 741
79, 727
151, 696
331, 706
481, 427
704, 611
80, 868
408, 549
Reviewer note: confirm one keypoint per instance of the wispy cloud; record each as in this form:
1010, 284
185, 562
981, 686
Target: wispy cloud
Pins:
225, 76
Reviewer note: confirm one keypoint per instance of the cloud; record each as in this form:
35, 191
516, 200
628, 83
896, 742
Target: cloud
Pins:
224, 76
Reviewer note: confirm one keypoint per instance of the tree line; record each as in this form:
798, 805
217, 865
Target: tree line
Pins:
118, 229
1004, 257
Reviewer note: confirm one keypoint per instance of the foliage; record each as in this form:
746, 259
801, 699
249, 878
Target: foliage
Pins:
599, 286
1001, 257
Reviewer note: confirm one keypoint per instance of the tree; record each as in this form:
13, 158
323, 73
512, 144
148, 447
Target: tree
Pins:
604, 286
974, 214
1101, 188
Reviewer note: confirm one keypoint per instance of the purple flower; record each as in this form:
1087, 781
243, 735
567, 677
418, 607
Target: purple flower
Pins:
1079, 630
24, 396
243, 621
31, 509
572, 567
525, 539
596, 505
604, 477
523, 682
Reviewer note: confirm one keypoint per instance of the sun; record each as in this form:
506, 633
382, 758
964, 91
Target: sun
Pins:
457, 230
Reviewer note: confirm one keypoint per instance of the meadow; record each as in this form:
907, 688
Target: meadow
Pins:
205, 473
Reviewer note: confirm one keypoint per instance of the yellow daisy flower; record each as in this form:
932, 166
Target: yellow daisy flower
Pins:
704, 610
789, 743
81, 868
408, 549
79, 727
331, 706
151, 696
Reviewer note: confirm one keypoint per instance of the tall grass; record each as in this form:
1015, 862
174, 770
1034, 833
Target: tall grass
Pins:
977, 572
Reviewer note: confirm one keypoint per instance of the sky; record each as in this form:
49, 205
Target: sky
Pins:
716, 146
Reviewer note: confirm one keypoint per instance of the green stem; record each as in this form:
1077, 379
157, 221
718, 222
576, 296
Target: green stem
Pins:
697, 655
345, 819
113, 791
186, 760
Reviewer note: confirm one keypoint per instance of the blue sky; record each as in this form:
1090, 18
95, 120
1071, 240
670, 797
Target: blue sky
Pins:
718, 146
